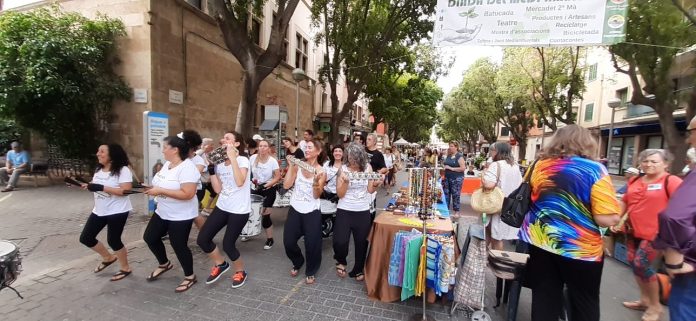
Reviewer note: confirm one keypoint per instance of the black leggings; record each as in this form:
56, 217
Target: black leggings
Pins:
309, 226
547, 273
114, 228
178, 237
215, 222
357, 223
269, 195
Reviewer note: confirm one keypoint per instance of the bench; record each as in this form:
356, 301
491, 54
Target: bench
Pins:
36, 170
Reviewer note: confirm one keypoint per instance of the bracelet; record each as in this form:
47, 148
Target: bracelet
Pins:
674, 266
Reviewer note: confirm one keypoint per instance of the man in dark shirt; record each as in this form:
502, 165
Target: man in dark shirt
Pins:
376, 157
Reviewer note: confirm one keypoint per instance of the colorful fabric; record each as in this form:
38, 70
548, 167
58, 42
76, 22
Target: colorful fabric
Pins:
411, 261
641, 256
566, 193
432, 273
452, 188
396, 260
422, 260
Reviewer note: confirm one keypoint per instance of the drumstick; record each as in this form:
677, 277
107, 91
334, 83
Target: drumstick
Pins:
71, 181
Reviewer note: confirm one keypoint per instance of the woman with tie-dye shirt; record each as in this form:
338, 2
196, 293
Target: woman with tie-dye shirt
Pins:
572, 197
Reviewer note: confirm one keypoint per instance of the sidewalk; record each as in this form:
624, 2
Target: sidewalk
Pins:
58, 283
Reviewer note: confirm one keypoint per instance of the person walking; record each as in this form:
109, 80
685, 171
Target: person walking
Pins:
572, 197
16, 163
389, 162
353, 212
111, 207
231, 180
304, 216
508, 181
676, 235
174, 188
454, 177
266, 175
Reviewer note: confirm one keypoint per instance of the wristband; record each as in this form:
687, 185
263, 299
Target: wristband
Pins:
674, 266
95, 187
211, 169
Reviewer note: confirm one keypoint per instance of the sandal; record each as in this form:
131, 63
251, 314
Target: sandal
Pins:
340, 270
310, 279
294, 272
635, 305
120, 275
104, 264
359, 277
651, 316
186, 284
162, 268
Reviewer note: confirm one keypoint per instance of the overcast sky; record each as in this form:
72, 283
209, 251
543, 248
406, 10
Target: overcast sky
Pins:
464, 57
9, 4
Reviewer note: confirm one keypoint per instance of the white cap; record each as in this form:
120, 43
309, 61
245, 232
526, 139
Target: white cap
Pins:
257, 137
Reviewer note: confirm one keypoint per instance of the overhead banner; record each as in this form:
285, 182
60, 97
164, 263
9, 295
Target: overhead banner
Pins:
532, 23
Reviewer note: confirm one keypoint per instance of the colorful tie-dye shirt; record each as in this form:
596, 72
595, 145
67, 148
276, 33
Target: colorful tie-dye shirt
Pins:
566, 193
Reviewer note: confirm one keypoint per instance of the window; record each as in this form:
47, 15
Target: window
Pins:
622, 95
504, 131
589, 112
196, 3
301, 52
592, 73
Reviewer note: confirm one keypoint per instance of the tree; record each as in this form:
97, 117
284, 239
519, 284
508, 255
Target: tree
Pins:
57, 78
365, 39
233, 20
655, 23
515, 91
457, 125
691, 107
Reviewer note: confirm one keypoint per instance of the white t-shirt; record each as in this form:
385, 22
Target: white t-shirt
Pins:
357, 199
198, 160
263, 172
173, 209
303, 146
234, 199
389, 160
331, 177
108, 204
302, 199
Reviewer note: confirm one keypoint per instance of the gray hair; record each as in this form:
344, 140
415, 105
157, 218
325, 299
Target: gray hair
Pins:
207, 141
15, 144
503, 152
664, 154
691, 155
356, 153
373, 135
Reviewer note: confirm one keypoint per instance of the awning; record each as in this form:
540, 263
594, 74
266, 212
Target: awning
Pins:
269, 124
401, 141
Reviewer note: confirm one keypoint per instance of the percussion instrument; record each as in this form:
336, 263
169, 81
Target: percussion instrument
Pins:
253, 225
219, 155
303, 165
361, 176
10, 264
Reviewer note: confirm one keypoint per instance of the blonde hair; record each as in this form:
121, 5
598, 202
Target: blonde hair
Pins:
571, 140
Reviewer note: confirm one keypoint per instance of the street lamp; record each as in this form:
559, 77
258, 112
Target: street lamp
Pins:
613, 104
299, 75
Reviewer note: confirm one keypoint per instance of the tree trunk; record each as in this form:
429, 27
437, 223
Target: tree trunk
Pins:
247, 106
338, 115
691, 107
522, 152
674, 141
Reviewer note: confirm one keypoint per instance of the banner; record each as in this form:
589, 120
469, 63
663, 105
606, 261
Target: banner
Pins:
155, 129
532, 23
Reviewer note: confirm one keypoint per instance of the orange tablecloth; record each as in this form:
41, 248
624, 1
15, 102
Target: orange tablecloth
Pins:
381, 242
470, 184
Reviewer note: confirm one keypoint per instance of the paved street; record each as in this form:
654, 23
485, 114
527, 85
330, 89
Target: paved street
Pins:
58, 283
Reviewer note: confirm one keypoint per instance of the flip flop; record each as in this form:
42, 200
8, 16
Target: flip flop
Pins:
310, 279
120, 275
340, 271
359, 277
185, 285
164, 268
103, 265
635, 305
294, 272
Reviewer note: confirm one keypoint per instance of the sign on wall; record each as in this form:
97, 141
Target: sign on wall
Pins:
530, 22
155, 129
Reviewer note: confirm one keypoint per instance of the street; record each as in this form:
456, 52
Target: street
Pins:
58, 283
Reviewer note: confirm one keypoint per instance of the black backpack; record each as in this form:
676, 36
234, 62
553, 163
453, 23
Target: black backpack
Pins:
516, 205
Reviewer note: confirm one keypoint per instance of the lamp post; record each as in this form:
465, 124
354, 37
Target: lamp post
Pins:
613, 104
298, 75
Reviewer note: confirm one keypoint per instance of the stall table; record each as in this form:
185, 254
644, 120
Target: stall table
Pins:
381, 239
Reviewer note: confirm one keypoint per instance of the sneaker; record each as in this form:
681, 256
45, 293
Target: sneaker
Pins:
216, 272
238, 279
268, 245
244, 239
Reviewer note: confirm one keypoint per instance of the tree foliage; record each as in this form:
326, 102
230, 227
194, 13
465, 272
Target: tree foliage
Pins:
233, 19
57, 78
365, 40
663, 29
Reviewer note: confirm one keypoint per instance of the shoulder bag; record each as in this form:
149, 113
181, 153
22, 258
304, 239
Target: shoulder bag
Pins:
516, 205
489, 201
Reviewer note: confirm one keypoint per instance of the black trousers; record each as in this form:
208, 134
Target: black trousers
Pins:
347, 223
309, 226
215, 222
114, 229
178, 237
269, 195
548, 273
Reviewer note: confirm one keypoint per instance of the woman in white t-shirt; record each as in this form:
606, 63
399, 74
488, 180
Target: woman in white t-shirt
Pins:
231, 180
265, 173
111, 208
201, 167
174, 188
331, 168
353, 214
509, 180
304, 216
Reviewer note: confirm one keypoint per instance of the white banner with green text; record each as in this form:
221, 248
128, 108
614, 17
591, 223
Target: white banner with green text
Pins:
534, 23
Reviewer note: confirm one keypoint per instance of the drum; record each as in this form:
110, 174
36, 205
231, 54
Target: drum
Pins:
253, 225
327, 207
10, 263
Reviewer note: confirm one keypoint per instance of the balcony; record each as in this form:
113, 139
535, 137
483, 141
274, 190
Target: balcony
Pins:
633, 111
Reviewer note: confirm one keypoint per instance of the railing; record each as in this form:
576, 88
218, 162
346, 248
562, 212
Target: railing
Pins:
633, 111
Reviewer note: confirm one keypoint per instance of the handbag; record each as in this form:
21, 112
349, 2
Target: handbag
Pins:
488, 201
516, 205
507, 265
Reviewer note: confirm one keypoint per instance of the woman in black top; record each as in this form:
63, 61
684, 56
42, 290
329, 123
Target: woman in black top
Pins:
291, 149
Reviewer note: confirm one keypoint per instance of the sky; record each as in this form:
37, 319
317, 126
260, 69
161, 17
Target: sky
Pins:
464, 57
9, 4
